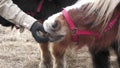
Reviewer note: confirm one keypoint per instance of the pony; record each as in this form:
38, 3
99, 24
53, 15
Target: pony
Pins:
91, 23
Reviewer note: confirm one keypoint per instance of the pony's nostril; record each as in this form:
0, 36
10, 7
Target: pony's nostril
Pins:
55, 25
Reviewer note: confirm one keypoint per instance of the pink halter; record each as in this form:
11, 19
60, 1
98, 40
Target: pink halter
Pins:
85, 32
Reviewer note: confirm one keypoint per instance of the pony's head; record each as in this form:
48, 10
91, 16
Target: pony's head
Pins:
56, 28
88, 15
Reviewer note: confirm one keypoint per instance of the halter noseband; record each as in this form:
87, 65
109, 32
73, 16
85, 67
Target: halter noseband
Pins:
78, 32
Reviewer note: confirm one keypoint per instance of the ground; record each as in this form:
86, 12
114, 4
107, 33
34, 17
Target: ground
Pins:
19, 50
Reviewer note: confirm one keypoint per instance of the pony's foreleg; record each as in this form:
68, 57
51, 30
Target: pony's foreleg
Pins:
58, 51
45, 61
100, 58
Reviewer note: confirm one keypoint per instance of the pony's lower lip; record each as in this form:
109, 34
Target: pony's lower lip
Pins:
53, 37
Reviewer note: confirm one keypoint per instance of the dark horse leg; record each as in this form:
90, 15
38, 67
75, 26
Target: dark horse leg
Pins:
115, 46
100, 58
45, 61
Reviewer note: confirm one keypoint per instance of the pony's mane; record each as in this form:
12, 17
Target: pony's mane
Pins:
104, 9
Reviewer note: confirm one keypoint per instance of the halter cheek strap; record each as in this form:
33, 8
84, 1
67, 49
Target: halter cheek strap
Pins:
78, 32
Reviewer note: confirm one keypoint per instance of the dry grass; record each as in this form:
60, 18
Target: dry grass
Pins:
21, 51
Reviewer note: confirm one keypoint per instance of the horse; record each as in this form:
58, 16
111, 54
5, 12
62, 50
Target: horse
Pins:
41, 10
91, 23
37, 8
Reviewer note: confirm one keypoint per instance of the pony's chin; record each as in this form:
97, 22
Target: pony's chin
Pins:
55, 38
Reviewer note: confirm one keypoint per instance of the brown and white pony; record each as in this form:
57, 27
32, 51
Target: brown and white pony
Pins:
95, 23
